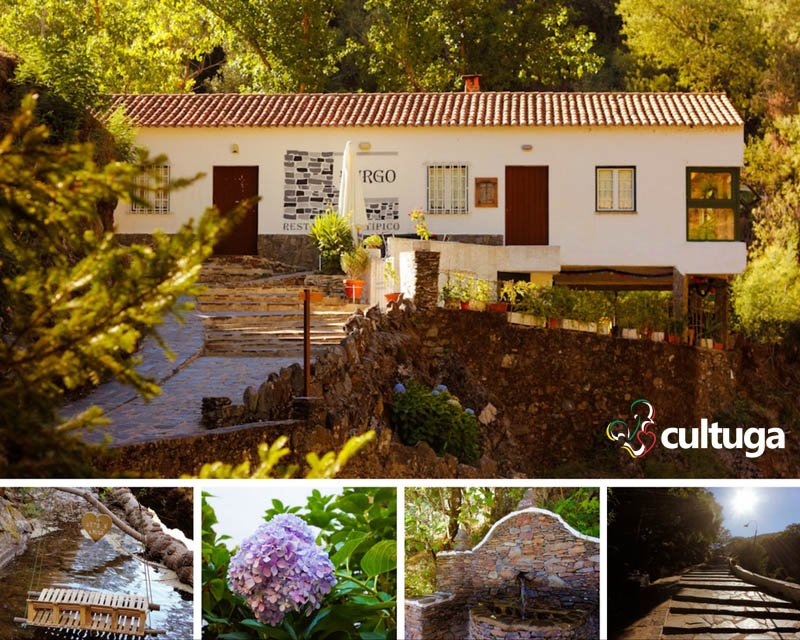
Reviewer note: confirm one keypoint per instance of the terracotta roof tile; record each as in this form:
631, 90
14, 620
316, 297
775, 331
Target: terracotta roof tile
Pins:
481, 109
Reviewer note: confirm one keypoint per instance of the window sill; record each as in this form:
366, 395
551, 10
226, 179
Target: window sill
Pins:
605, 212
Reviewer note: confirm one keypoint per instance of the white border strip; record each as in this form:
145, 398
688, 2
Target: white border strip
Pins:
416, 601
516, 513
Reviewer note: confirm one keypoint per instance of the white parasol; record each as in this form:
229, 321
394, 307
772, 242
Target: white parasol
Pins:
351, 193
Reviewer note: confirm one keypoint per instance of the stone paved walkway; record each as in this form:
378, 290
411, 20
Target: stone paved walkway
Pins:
713, 603
184, 381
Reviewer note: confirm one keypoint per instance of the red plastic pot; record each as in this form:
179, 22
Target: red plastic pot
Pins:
674, 339
497, 307
465, 306
553, 323
353, 289
392, 297
719, 346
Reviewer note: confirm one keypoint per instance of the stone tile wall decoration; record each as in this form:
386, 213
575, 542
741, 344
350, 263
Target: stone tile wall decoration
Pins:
309, 184
382, 208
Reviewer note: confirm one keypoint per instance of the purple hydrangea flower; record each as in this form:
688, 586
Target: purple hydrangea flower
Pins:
441, 387
435, 392
399, 388
280, 569
470, 412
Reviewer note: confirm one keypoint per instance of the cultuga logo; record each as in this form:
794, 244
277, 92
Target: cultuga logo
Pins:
637, 437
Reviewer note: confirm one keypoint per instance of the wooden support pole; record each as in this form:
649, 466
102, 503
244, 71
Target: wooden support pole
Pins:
307, 342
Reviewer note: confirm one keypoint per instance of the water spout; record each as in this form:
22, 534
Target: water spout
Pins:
521, 595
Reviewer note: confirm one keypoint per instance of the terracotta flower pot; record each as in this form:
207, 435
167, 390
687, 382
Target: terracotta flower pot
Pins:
674, 339
464, 305
553, 323
392, 297
719, 346
353, 289
498, 307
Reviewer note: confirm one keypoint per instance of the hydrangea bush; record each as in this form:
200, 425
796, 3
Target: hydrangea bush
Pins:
286, 584
435, 416
280, 569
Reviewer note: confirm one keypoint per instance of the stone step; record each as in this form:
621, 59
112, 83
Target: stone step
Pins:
750, 594
285, 319
724, 635
716, 624
719, 586
238, 351
730, 609
275, 338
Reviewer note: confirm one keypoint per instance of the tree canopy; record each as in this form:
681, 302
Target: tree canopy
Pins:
74, 304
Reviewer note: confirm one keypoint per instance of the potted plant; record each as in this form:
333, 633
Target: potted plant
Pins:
461, 291
506, 297
392, 281
480, 294
675, 328
354, 264
332, 236
449, 294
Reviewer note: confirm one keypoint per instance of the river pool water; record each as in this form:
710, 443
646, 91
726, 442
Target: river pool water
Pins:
68, 559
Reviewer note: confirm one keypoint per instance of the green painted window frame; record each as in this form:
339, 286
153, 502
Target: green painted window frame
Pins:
718, 203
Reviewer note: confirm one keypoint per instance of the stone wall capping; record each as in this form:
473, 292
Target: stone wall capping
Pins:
430, 600
575, 533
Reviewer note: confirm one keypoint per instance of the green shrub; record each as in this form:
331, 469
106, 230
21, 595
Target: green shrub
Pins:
333, 236
766, 296
435, 416
355, 263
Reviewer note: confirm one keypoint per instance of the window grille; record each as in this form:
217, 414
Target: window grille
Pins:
150, 192
448, 186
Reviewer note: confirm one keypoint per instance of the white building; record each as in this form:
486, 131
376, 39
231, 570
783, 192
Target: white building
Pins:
603, 188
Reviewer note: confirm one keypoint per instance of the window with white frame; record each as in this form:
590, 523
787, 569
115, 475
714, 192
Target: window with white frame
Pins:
615, 189
448, 185
150, 190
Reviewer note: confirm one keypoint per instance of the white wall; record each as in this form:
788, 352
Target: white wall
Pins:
655, 235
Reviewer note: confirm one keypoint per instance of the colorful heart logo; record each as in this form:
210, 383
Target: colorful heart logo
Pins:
636, 439
96, 525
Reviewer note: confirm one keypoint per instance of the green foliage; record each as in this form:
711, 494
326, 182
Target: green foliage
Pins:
420, 226
766, 295
659, 531
74, 304
771, 554
355, 262
436, 417
270, 456
427, 45
358, 529
82, 50
280, 46
699, 45
333, 236
580, 510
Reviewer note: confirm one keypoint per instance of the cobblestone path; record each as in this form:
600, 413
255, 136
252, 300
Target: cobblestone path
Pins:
184, 381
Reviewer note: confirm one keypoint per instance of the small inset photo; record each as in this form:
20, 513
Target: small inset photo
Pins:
493, 563
703, 563
96, 563
298, 563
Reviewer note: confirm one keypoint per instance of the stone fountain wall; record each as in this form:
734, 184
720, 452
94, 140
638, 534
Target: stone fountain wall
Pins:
561, 568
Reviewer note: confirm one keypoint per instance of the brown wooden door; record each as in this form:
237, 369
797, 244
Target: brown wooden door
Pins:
231, 186
527, 205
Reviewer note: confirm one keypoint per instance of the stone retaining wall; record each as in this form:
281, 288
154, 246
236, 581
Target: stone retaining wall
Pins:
780, 588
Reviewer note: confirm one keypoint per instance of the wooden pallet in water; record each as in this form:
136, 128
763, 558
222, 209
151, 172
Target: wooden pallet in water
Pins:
119, 615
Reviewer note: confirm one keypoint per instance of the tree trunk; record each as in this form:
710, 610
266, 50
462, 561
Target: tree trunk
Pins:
161, 546
140, 525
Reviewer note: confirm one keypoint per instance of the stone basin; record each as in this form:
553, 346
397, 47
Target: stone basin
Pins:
502, 619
